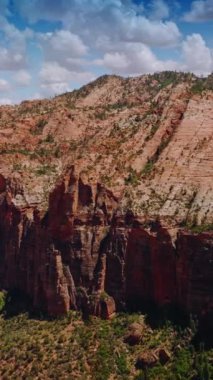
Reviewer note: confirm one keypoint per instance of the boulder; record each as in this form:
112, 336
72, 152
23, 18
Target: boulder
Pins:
134, 334
146, 360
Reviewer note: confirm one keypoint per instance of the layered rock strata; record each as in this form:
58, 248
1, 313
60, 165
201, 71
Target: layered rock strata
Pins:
84, 253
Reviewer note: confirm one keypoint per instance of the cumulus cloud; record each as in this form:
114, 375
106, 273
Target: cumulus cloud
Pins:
197, 57
63, 47
35, 96
159, 9
119, 19
51, 89
14, 35
4, 85
113, 36
201, 10
5, 101
12, 46
11, 60
120, 23
55, 78
134, 59
62, 42
53, 72
22, 78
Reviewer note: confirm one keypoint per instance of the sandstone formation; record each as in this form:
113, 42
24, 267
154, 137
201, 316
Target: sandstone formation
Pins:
106, 196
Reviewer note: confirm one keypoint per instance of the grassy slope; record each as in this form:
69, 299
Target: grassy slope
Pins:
72, 349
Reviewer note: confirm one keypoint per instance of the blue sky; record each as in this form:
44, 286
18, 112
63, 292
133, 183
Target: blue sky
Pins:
48, 47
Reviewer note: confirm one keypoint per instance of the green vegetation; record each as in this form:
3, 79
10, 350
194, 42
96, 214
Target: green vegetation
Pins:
45, 169
73, 145
71, 348
38, 129
154, 129
3, 296
170, 77
84, 90
104, 296
14, 150
201, 84
199, 228
57, 152
133, 178
41, 123
148, 168
100, 115
49, 138
41, 152
198, 87
17, 166
105, 179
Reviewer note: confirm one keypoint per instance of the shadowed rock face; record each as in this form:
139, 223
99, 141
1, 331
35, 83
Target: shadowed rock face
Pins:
83, 248
150, 266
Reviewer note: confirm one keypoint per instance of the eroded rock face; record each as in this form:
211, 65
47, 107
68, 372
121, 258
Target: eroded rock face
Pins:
150, 266
83, 247
194, 271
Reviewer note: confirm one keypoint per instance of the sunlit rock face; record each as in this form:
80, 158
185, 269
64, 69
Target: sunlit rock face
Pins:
100, 192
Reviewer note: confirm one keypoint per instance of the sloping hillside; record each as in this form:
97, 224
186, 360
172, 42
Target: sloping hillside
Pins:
148, 139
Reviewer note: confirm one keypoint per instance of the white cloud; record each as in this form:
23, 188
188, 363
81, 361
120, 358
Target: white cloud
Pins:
197, 57
120, 23
35, 96
51, 89
134, 59
55, 78
14, 35
121, 20
114, 36
159, 10
12, 46
63, 47
11, 60
4, 85
201, 10
114, 61
5, 101
22, 78
65, 41
52, 72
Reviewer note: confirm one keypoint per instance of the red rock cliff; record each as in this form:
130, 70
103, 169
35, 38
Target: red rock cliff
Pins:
84, 253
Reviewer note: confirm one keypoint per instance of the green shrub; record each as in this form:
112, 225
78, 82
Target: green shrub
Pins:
49, 138
3, 296
133, 178
38, 129
45, 169
148, 168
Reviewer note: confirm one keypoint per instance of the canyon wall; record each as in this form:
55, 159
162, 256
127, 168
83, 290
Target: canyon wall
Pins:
84, 253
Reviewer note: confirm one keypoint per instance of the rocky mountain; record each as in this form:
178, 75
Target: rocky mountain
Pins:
106, 197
